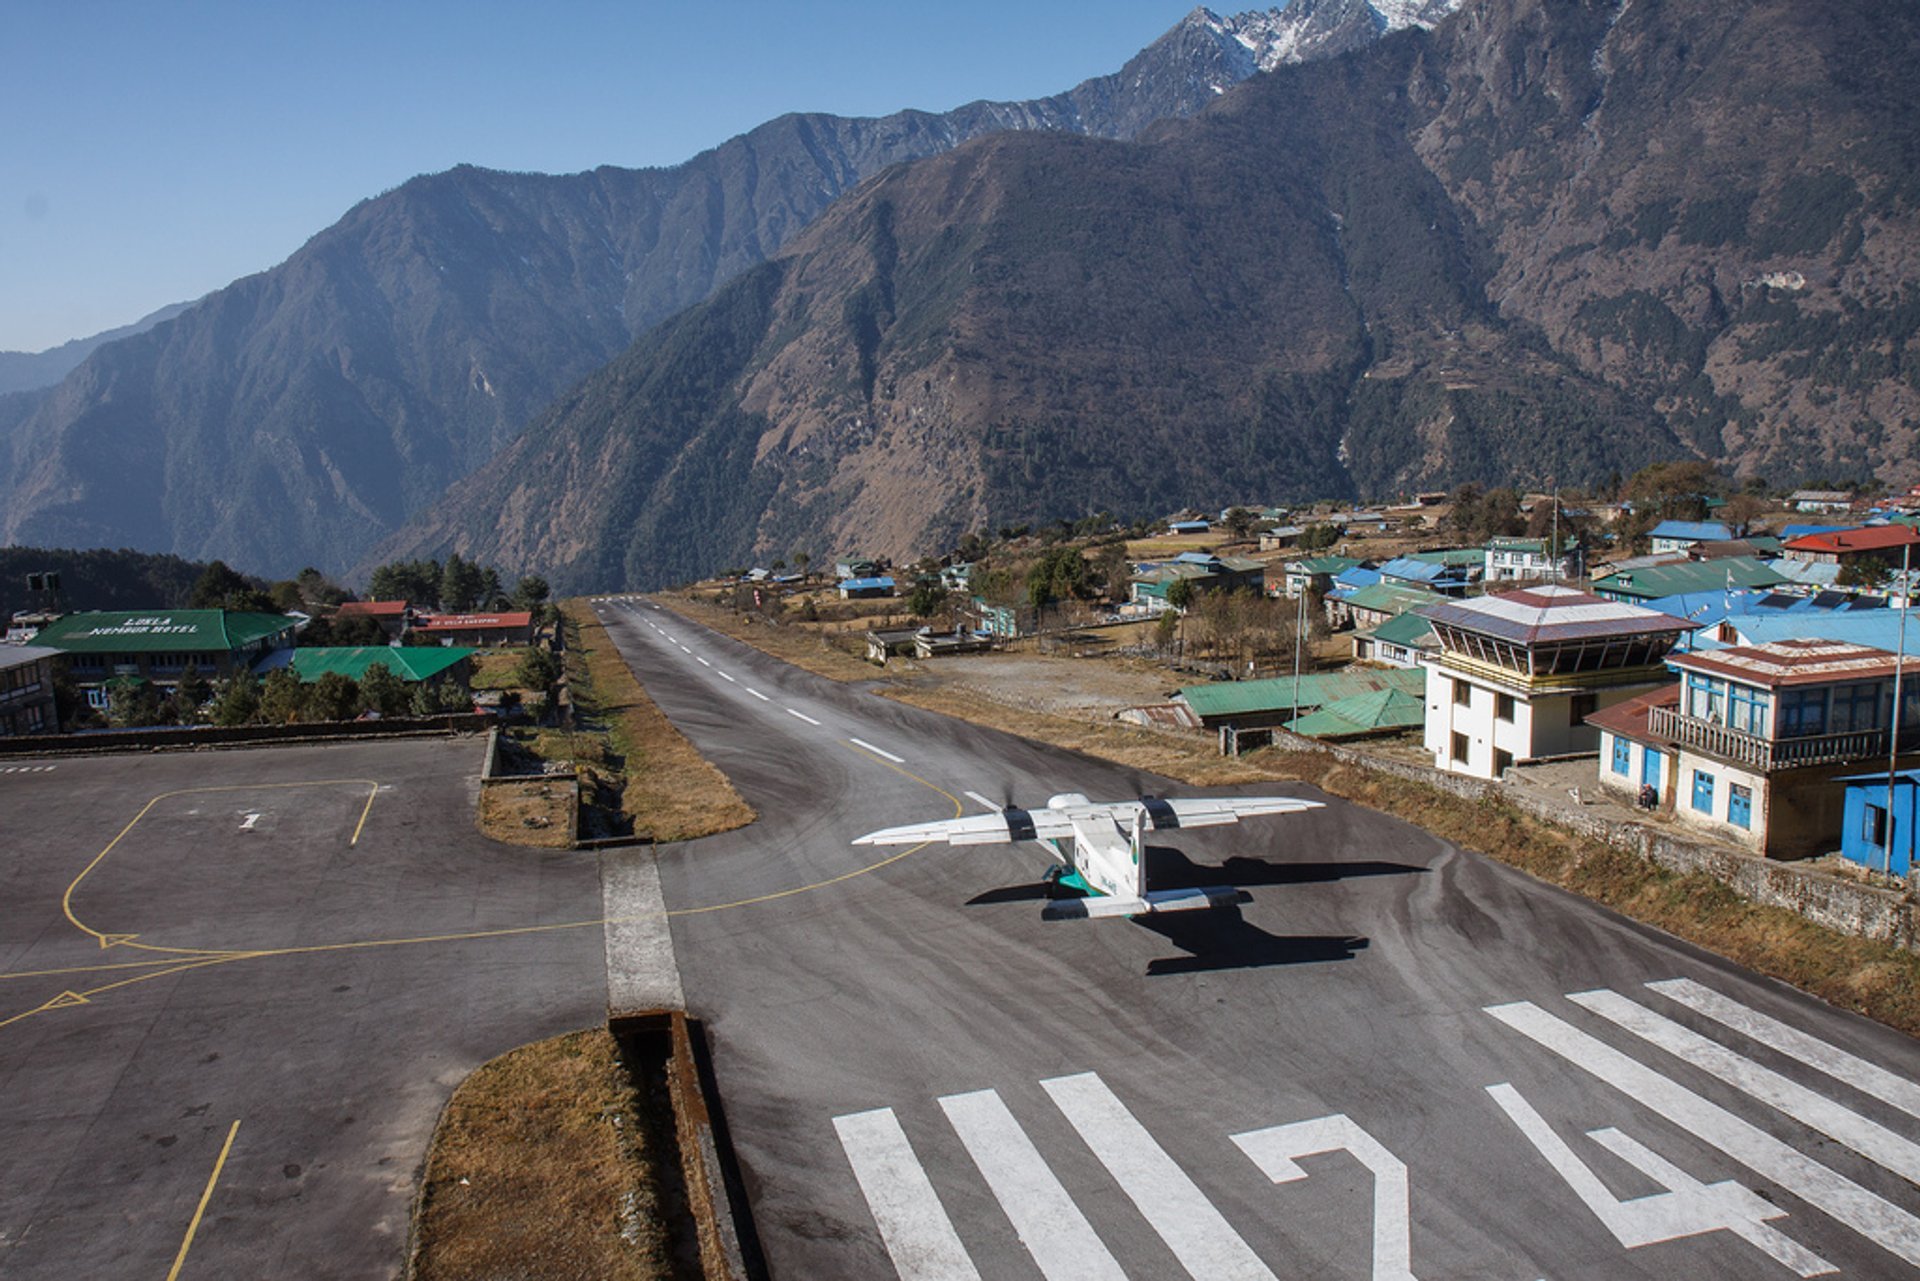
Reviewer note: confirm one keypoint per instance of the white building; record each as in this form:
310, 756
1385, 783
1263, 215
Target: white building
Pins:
1517, 674
1514, 559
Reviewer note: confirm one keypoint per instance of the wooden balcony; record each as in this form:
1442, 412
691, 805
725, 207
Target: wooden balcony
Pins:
1741, 748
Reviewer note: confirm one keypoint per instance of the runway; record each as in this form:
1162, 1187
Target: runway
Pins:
1400, 1059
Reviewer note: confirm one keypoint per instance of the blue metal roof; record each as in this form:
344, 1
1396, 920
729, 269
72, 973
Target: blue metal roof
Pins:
1801, 531
1410, 570
1702, 531
1879, 628
866, 584
1357, 577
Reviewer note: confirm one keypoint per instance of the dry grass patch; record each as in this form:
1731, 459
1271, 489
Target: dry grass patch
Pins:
533, 811
548, 1164
837, 655
667, 787
497, 668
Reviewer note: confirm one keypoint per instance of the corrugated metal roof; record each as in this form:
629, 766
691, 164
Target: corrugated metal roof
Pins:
1389, 598
157, 631
467, 622
1321, 564
408, 662
1385, 709
1868, 538
1700, 531
1648, 582
1239, 698
1540, 615
1410, 628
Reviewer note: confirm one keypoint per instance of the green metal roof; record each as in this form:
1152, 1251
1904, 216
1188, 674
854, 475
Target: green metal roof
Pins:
1390, 598
1654, 581
1404, 629
408, 662
1382, 710
1322, 564
1451, 556
160, 631
1241, 698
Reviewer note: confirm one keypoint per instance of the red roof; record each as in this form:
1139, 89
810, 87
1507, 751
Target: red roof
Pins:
472, 622
1868, 538
1629, 718
374, 609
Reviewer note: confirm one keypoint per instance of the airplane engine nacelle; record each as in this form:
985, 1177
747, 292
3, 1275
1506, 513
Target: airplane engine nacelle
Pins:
1067, 800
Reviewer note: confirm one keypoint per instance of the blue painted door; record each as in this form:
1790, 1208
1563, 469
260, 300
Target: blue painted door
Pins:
1650, 769
1740, 807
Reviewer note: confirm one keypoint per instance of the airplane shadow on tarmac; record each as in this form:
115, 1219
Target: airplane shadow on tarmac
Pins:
1221, 938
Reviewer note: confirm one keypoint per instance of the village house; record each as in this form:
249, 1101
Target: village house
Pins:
1641, 582
1881, 546
1821, 500
514, 627
1682, 535
1204, 571
1753, 745
390, 615
1314, 573
1517, 674
1531, 560
26, 690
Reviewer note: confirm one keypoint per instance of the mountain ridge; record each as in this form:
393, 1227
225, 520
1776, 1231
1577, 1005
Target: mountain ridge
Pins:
300, 414
1329, 284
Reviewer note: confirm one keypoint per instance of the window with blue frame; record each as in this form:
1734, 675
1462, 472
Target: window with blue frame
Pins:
1622, 756
1740, 805
1747, 709
1703, 791
1703, 697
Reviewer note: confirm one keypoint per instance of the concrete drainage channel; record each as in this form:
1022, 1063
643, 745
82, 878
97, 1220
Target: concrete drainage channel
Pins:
661, 1045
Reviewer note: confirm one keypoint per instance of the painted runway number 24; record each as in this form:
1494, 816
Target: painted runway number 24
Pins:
1277, 1150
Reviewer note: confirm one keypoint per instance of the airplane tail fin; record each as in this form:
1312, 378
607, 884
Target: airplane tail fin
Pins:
1194, 899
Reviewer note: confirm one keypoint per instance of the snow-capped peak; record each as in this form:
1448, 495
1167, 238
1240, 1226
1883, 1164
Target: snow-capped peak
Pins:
1307, 29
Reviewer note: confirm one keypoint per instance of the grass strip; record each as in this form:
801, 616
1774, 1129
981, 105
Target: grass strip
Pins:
547, 1163
667, 787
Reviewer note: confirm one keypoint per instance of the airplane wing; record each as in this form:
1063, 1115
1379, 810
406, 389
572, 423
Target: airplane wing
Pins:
1194, 899
1212, 811
978, 829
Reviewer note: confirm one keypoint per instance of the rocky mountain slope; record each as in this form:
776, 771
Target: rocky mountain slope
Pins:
298, 415
1544, 240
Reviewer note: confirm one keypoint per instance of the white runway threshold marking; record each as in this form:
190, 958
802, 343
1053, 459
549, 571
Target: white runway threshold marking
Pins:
1063, 1244
1812, 1109
1196, 1232
756, 693
878, 751
1873, 1217
1837, 1063
913, 1224
803, 716
1687, 1208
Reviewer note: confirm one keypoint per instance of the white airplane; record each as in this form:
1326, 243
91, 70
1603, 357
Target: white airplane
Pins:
1103, 855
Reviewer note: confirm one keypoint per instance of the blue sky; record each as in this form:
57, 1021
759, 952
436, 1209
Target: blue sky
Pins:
151, 152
